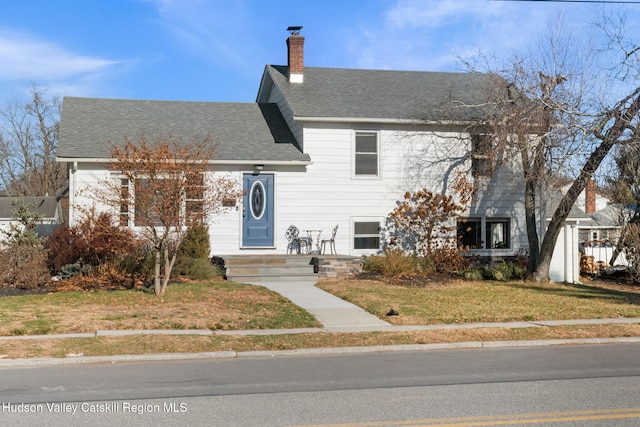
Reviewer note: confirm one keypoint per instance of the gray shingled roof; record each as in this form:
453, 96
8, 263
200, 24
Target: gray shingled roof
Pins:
90, 127
43, 206
384, 94
553, 199
609, 216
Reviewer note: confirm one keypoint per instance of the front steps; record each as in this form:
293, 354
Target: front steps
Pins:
270, 268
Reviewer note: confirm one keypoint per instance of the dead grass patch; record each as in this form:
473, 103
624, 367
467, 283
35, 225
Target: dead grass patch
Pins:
221, 305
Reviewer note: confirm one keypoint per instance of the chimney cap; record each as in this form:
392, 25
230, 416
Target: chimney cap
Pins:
295, 30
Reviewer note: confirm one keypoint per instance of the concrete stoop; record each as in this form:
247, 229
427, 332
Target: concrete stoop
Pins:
267, 268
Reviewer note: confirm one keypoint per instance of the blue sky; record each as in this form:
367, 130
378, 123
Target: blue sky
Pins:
215, 50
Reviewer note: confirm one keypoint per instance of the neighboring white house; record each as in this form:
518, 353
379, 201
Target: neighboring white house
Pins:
47, 209
592, 229
320, 147
600, 236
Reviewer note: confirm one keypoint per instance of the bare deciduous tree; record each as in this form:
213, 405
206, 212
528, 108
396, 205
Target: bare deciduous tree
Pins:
558, 115
162, 187
28, 142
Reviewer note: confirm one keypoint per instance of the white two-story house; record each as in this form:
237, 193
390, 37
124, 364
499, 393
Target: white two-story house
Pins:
320, 147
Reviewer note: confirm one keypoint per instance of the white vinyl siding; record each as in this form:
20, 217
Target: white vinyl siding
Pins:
326, 192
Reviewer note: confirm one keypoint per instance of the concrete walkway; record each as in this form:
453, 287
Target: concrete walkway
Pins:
334, 313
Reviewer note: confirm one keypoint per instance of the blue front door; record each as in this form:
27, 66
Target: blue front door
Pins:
257, 213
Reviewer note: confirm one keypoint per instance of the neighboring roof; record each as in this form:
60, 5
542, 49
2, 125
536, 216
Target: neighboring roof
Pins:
92, 127
554, 198
382, 94
610, 216
43, 206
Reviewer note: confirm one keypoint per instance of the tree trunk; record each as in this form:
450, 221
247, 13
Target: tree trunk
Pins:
168, 266
532, 226
608, 140
157, 285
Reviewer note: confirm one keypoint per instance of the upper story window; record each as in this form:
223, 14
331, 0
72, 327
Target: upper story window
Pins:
366, 154
481, 155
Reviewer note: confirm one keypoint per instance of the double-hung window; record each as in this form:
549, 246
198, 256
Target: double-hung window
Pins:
481, 155
366, 235
366, 154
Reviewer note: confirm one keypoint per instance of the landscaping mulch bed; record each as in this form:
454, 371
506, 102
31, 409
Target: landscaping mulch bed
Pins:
415, 280
443, 279
10, 291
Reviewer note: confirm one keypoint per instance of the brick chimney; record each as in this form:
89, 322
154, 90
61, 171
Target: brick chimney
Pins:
590, 197
295, 55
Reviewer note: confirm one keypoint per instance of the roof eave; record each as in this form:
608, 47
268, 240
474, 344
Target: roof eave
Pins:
382, 120
211, 162
265, 86
577, 219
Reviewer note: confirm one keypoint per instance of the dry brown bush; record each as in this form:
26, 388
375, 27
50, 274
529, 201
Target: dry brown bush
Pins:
24, 267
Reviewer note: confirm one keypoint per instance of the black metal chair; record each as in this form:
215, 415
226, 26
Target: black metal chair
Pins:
331, 242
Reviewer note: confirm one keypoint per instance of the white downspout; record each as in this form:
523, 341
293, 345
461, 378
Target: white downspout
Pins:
574, 278
576, 254
72, 192
566, 254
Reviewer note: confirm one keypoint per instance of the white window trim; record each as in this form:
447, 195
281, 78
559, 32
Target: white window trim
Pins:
378, 153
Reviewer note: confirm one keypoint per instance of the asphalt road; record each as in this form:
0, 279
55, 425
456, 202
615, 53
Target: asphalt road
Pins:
568, 385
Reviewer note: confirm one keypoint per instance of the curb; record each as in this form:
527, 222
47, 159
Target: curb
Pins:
80, 360
334, 329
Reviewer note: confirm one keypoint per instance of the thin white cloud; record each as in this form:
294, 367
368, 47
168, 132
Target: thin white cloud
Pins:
433, 13
205, 27
434, 34
24, 57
